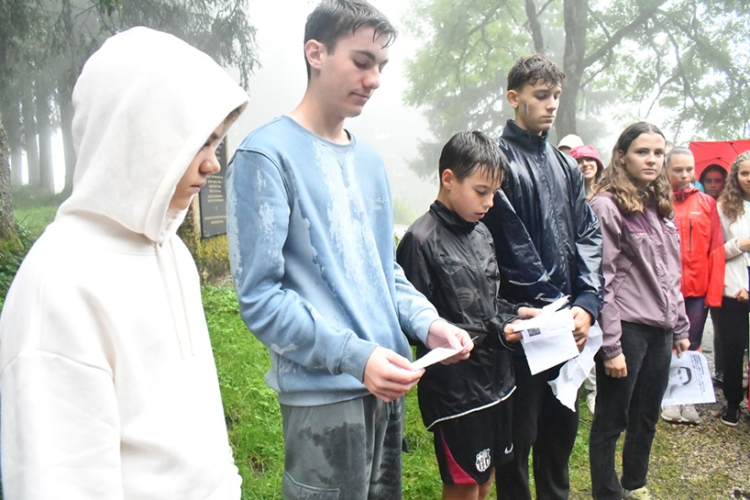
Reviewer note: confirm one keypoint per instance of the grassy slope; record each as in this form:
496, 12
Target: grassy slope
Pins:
688, 463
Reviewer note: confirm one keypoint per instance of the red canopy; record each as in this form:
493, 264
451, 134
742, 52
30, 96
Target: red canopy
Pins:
719, 152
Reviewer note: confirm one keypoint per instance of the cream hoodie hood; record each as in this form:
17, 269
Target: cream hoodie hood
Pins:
108, 382
144, 105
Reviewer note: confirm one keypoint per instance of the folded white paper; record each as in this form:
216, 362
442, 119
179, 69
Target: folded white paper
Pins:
434, 356
574, 372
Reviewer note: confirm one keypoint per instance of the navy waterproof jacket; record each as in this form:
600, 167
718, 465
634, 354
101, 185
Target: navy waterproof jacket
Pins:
547, 238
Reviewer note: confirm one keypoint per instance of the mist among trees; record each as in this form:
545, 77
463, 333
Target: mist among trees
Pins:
689, 58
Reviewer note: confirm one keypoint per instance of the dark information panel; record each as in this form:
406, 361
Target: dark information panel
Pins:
213, 199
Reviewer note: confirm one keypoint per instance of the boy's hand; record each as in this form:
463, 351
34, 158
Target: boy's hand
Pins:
388, 375
524, 313
443, 334
583, 321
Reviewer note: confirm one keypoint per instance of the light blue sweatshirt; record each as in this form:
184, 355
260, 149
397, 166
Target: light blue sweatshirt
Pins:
310, 231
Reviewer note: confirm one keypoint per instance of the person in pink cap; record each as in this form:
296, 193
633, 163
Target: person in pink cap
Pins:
590, 164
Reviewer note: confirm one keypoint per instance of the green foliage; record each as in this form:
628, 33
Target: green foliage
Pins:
402, 211
251, 408
12, 254
690, 58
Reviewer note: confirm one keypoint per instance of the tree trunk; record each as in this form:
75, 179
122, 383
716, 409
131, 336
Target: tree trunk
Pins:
66, 126
29, 138
44, 132
575, 15
7, 227
11, 114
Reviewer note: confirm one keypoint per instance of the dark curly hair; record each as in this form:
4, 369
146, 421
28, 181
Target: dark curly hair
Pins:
732, 198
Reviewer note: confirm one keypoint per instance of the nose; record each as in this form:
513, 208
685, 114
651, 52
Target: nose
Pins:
211, 164
372, 79
489, 201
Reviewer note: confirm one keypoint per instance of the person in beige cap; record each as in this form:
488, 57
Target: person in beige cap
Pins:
569, 142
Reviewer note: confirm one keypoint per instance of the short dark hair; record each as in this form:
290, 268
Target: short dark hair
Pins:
531, 69
468, 152
677, 150
333, 19
713, 168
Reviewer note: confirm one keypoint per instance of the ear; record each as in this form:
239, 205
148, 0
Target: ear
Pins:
512, 97
314, 52
447, 179
620, 156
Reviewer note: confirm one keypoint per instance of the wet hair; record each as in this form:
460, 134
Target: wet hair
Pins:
533, 68
677, 150
713, 168
732, 198
617, 181
469, 152
334, 19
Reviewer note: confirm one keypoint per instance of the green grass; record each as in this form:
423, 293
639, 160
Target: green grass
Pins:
684, 462
254, 421
705, 462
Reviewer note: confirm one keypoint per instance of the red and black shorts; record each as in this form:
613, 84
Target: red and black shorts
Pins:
468, 448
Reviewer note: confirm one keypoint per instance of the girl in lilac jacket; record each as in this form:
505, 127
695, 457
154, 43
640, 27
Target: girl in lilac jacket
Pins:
643, 316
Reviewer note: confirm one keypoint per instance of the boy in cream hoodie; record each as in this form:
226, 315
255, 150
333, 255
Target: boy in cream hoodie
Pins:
108, 381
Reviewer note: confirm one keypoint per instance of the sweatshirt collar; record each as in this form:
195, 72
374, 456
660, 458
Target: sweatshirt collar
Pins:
450, 219
531, 142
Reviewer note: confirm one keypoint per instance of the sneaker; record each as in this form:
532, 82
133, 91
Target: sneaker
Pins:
731, 416
591, 401
672, 414
639, 494
690, 415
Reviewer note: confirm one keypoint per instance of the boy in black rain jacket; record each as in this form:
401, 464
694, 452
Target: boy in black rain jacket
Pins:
449, 256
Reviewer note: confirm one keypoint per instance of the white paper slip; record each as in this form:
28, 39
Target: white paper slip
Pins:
434, 356
550, 344
547, 312
689, 380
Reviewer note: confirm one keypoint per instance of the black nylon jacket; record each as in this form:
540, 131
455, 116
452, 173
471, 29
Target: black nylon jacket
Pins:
452, 262
547, 238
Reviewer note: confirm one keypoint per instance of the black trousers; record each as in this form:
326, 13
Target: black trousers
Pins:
631, 404
541, 422
732, 320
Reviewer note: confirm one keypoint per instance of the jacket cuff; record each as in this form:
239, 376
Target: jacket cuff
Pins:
590, 303
611, 351
505, 320
680, 336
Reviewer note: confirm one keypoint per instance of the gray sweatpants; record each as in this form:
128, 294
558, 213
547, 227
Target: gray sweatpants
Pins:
348, 451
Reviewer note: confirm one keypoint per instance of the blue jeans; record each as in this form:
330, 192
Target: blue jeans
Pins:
631, 404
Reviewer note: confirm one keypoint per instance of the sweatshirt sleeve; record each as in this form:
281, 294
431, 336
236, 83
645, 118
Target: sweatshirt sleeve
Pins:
60, 430
258, 214
716, 260
610, 221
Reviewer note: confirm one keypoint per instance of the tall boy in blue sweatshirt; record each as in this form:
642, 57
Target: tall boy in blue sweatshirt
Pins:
449, 256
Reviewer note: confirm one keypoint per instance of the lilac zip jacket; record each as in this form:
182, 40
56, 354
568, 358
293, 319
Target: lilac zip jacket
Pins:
641, 265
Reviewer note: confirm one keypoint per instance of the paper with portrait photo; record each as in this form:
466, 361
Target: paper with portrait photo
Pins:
689, 380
